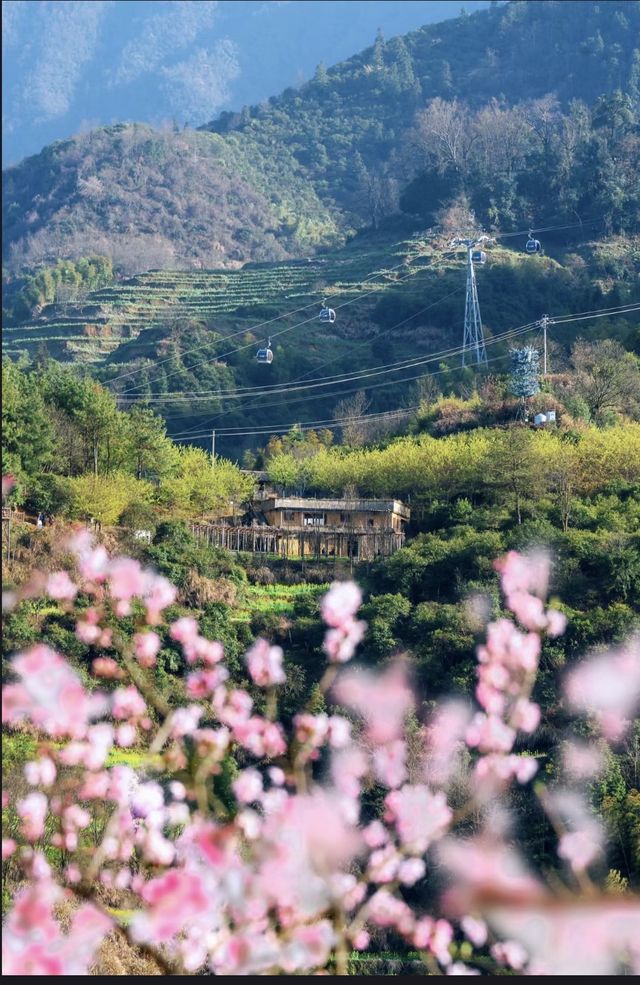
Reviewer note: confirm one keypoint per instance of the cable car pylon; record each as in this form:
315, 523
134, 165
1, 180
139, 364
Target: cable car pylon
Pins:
473, 347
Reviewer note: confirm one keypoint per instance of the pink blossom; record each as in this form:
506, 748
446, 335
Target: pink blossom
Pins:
608, 687
339, 731
53, 695
60, 586
375, 834
32, 810
184, 630
510, 953
87, 632
556, 622
341, 603
459, 968
159, 594
524, 573
582, 761
389, 763
386, 910
493, 772
248, 786
146, 646
232, 707
8, 848
40, 772
484, 868
125, 735
525, 715
265, 663
384, 864
361, 940
107, 667
311, 730
475, 930
276, 775
8, 482
528, 609
308, 947
173, 899
184, 721
419, 815
490, 734
340, 644
383, 700
579, 848
348, 767
203, 683
126, 578
576, 939
127, 703
411, 870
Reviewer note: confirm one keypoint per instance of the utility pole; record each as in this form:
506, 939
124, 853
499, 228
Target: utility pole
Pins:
473, 336
545, 324
213, 447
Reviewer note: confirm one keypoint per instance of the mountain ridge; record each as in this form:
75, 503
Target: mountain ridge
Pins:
309, 167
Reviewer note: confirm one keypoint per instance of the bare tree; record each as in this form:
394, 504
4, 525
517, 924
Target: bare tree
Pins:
444, 136
350, 411
607, 377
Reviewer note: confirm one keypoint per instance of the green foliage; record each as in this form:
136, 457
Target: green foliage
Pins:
201, 487
103, 498
27, 434
66, 281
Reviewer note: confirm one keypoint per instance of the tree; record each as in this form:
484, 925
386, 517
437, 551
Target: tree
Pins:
150, 448
348, 412
97, 418
514, 467
27, 433
102, 498
607, 377
202, 488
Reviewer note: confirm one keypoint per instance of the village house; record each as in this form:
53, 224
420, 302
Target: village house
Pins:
296, 526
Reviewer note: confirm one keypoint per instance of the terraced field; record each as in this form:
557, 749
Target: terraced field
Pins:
92, 330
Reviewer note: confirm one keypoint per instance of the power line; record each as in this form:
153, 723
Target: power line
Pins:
285, 314
507, 336
579, 316
268, 388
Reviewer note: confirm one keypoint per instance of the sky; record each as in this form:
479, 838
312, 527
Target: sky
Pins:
71, 65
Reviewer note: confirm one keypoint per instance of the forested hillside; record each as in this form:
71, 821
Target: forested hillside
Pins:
528, 109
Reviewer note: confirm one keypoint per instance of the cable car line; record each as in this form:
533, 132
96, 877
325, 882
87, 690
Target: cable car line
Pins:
248, 391
579, 316
254, 328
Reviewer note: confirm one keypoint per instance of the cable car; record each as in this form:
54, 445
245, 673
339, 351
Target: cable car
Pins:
265, 355
533, 245
478, 256
327, 314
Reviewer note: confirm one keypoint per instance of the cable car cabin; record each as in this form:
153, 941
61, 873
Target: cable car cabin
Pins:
327, 314
533, 245
478, 256
264, 355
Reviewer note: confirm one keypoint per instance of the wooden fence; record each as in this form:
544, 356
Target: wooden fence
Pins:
301, 542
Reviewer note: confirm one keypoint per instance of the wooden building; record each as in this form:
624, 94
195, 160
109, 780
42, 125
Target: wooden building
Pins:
313, 528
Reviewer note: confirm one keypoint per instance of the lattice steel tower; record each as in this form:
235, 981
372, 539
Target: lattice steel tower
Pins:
473, 348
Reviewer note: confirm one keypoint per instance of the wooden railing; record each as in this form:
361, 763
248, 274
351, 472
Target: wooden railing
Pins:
301, 542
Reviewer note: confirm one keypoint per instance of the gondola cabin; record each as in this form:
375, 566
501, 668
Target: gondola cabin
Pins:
327, 314
478, 256
265, 355
533, 245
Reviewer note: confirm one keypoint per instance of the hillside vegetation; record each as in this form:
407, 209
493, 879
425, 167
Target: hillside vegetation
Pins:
306, 167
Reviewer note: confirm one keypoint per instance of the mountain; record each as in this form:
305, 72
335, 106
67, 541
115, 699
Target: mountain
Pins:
70, 66
308, 167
